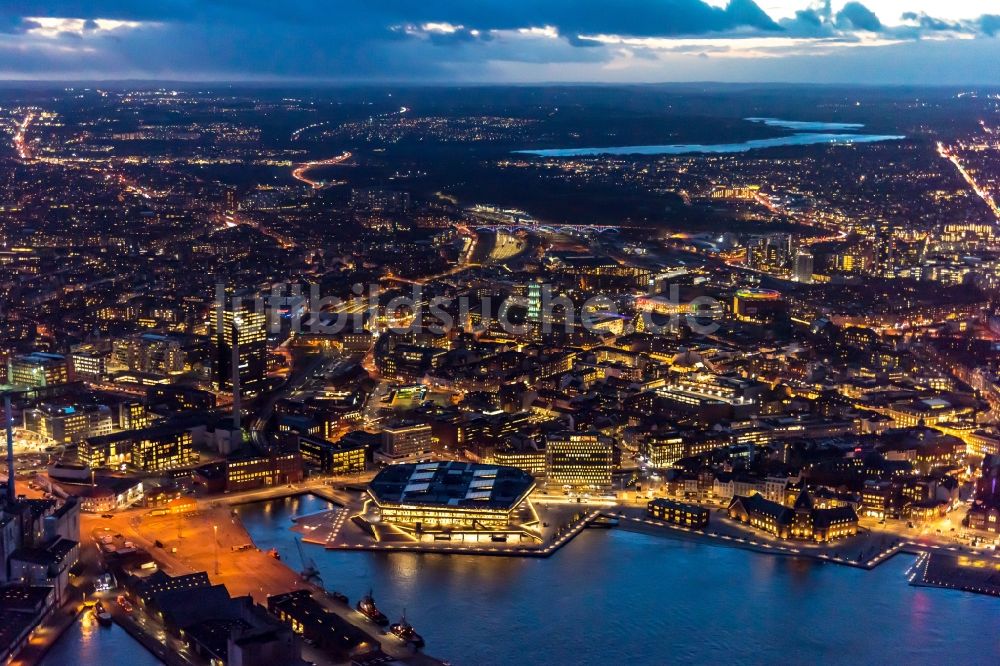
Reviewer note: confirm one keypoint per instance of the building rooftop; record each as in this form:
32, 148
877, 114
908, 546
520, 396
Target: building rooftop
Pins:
454, 484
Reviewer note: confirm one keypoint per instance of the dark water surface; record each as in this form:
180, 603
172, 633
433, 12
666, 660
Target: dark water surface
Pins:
612, 596
86, 642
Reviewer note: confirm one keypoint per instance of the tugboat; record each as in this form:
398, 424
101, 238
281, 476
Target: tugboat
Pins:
405, 631
366, 606
102, 615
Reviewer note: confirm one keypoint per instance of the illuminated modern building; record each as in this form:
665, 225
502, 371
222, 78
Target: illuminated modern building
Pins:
758, 306
737, 192
149, 353
450, 495
263, 471
249, 331
534, 302
349, 457
88, 362
661, 450
581, 460
803, 267
406, 439
678, 513
132, 416
405, 362
532, 462
707, 394
37, 370
70, 424
151, 449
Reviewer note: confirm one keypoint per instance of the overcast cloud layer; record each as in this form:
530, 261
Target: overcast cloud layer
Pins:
929, 41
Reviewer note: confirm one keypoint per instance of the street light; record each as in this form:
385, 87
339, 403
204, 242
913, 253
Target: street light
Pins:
215, 529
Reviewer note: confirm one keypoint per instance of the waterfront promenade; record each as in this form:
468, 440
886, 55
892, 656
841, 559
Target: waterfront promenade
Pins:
45, 636
939, 565
214, 540
558, 524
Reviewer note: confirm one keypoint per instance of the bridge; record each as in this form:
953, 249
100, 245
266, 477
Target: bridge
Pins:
536, 227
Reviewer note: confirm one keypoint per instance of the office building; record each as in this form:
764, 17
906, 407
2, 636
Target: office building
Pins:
406, 439
263, 471
579, 460
37, 370
151, 449
68, 424
678, 513
350, 457
248, 330
803, 267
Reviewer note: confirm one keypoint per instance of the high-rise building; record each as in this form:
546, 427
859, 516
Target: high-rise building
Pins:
534, 302
804, 267
241, 324
581, 460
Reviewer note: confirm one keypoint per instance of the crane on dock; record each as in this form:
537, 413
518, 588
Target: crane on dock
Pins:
309, 572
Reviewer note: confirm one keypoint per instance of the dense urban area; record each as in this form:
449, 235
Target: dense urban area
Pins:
478, 322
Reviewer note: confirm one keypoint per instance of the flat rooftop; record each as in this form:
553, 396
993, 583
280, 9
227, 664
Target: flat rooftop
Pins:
452, 484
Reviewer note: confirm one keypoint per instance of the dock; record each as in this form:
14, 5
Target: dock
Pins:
957, 572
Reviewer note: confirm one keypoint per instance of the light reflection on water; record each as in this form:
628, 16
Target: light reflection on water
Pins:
612, 596
798, 139
87, 642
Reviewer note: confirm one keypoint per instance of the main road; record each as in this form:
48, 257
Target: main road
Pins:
299, 172
981, 192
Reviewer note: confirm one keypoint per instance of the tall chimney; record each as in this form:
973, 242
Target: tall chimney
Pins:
236, 375
11, 494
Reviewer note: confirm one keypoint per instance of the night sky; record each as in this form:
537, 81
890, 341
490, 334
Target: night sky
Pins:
881, 41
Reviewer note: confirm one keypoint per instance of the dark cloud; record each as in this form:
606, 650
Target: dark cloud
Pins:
990, 24
15, 25
856, 16
929, 23
400, 39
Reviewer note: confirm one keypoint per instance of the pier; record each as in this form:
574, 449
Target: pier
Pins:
214, 541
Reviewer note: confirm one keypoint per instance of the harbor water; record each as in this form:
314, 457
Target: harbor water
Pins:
613, 596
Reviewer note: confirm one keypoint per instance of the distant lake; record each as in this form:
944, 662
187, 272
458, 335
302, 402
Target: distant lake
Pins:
807, 133
807, 125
